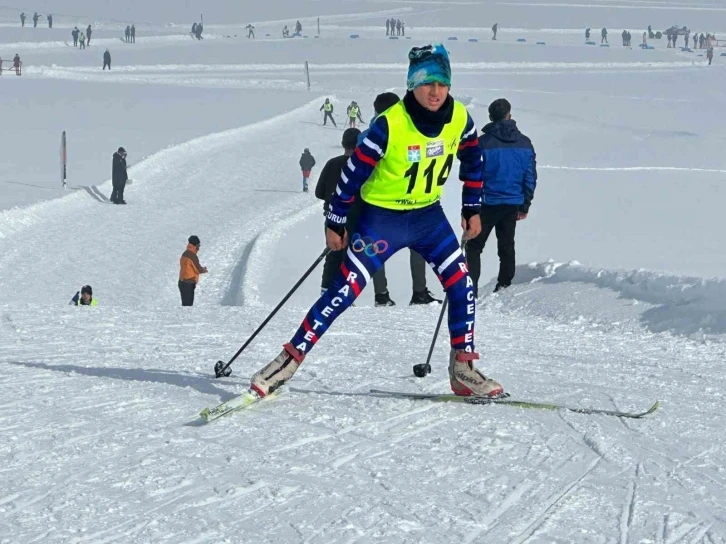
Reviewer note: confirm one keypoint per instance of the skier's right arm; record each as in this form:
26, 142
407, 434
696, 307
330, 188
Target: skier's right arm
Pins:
356, 172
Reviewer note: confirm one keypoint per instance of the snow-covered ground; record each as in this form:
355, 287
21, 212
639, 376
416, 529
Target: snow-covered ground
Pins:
619, 298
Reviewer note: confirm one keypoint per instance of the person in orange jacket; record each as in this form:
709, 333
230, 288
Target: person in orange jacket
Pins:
189, 271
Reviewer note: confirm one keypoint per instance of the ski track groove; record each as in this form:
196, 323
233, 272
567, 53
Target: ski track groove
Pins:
628, 509
491, 520
551, 503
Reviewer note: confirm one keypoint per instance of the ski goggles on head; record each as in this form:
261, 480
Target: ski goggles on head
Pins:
420, 54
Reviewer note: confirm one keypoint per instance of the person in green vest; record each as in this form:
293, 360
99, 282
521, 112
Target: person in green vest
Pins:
353, 114
327, 108
399, 171
84, 297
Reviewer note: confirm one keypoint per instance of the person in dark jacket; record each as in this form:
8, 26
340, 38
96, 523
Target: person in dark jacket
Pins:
510, 177
106, 59
604, 34
119, 176
307, 161
50, 20
133, 32
587, 34
75, 33
89, 31
189, 271
22, 19
36, 18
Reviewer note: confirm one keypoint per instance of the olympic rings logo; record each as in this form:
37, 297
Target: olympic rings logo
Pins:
366, 244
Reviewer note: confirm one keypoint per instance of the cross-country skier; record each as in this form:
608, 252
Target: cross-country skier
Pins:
421, 295
84, 297
495, 28
399, 171
327, 107
604, 34
107, 60
250, 31
307, 161
189, 271
587, 34
353, 112
510, 177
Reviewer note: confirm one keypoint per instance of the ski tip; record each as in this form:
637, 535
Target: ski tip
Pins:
204, 414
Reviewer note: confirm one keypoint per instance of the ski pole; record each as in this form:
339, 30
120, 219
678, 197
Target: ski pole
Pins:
422, 369
222, 369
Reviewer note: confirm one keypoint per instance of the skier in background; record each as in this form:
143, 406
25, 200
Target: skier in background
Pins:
398, 27
510, 178
388, 27
353, 112
403, 27
194, 30
106, 60
625, 38
495, 28
425, 130
16, 63
82, 40
84, 297
695, 41
75, 33
189, 271
127, 33
285, 32
587, 34
133, 32
645, 40
604, 34
250, 31
327, 107
89, 31
298, 27
36, 18
307, 161
50, 20
709, 55
22, 19
119, 176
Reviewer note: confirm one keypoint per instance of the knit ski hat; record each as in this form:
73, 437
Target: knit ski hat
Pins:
428, 64
350, 138
87, 289
194, 240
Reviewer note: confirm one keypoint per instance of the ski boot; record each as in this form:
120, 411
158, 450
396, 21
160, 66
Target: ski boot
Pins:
277, 372
466, 380
423, 297
500, 287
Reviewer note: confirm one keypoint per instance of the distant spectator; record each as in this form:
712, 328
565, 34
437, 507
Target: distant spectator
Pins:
709, 55
200, 29
495, 28
89, 31
298, 27
82, 40
133, 32
84, 297
250, 31
189, 271
127, 33
307, 162
119, 176
604, 34
107, 60
587, 34
388, 27
194, 30
75, 33
36, 18
50, 20
17, 64
22, 19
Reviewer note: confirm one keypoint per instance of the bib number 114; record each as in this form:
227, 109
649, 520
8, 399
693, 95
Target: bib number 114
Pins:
429, 173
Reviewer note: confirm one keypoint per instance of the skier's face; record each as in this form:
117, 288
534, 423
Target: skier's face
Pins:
431, 96
86, 297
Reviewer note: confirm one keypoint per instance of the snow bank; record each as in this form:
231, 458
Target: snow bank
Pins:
662, 302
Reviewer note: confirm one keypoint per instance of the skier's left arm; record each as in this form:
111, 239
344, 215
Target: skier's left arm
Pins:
470, 171
530, 181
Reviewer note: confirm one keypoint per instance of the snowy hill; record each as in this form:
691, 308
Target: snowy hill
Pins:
619, 298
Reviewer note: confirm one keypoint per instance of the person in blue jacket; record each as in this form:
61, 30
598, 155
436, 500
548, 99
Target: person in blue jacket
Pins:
510, 177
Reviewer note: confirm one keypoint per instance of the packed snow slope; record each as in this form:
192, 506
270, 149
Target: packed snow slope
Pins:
618, 300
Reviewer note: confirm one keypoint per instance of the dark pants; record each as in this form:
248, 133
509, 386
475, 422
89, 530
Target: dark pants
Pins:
502, 218
186, 289
118, 191
328, 115
107, 64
